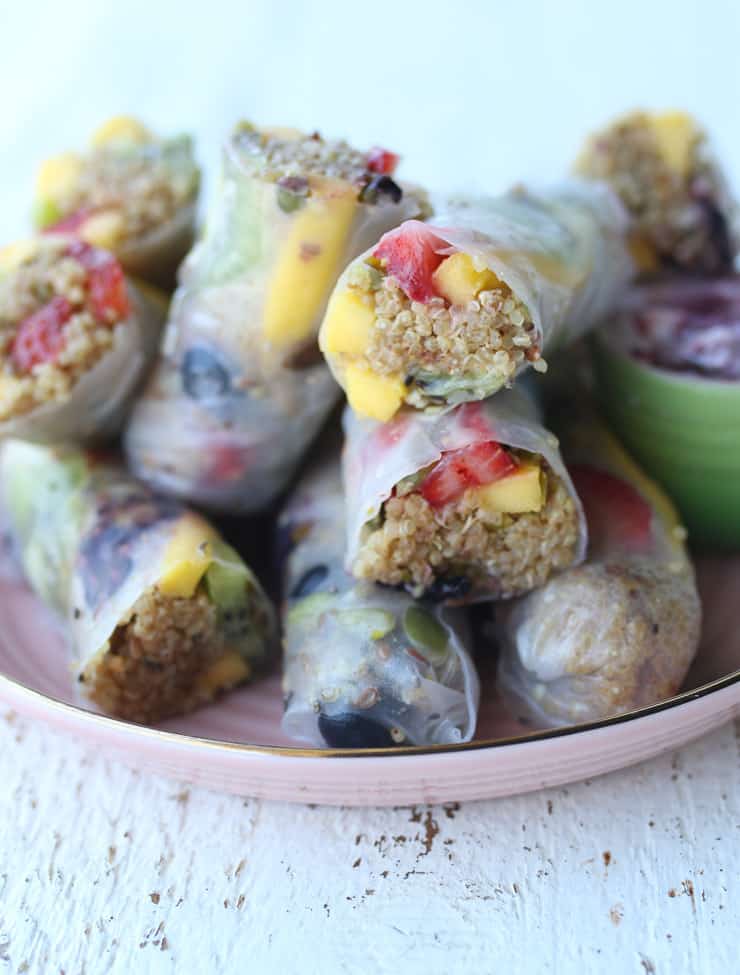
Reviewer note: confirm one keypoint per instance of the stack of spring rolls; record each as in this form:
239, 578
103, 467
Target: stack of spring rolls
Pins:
447, 326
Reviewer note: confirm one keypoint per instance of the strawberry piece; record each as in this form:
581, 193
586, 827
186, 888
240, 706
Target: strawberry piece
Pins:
228, 464
410, 255
472, 417
382, 161
69, 224
615, 511
40, 337
458, 470
106, 283
389, 434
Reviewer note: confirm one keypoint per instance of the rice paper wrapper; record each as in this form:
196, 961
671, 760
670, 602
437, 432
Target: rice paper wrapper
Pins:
98, 404
256, 260
232, 451
619, 631
562, 251
378, 456
364, 666
156, 255
91, 541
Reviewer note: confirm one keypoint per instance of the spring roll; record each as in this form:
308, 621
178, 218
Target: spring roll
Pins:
473, 504
240, 390
364, 666
449, 312
76, 339
620, 631
132, 193
161, 614
662, 166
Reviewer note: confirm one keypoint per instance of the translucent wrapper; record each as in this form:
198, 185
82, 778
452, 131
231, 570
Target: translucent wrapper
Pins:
157, 254
378, 457
132, 193
364, 666
160, 612
562, 252
664, 168
98, 403
620, 631
562, 258
240, 390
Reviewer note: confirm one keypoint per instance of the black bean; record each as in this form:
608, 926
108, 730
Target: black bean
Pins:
347, 730
446, 588
310, 581
204, 376
381, 187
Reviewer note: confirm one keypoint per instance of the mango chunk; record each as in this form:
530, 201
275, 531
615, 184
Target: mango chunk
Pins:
309, 263
226, 672
58, 176
347, 325
643, 254
459, 281
103, 229
676, 135
377, 397
121, 128
520, 491
187, 557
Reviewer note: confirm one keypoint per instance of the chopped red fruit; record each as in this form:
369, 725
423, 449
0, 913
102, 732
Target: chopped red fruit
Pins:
228, 464
69, 224
469, 467
410, 255
473, 417
388, 434
40, 337
614, 509
382, 161
106, 284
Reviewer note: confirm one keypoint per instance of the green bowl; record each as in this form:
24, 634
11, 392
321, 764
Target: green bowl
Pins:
685, 431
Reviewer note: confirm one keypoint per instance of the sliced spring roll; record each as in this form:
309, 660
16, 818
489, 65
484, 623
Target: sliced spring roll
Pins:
620, 631
468, 505
450, 312
240, 390
132, 193
662, 166
364, 666
161, 613
76, 339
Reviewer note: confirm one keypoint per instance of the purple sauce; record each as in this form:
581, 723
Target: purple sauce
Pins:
690, 327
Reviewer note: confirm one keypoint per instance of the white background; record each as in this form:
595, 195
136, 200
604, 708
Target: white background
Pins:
474, 94
104, 870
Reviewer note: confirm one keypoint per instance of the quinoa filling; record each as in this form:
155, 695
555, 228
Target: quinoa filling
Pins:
130, 191
677, 213
437, 346
414, 544
292, 161
156, 659
59, 311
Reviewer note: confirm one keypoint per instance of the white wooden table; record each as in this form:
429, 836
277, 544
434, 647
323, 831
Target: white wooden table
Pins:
104, 870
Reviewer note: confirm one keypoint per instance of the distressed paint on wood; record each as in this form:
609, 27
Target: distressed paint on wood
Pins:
106, 870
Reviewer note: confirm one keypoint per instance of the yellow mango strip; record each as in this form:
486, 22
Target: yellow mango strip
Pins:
369, 394
347, 326
121, 129
459, 281
309, 262
224, 673
187, 557
518, 492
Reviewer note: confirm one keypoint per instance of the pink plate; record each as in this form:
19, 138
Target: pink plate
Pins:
236, 746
